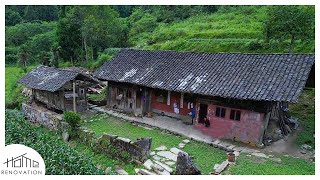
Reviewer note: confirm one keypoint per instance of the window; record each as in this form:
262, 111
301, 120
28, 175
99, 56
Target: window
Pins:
161, 96
220, 112
235, 115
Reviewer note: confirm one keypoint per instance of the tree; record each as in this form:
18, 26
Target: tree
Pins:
40, 13
12, 17
290, 23
23, 57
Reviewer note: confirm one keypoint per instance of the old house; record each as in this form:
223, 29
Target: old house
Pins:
239, 94
58, 89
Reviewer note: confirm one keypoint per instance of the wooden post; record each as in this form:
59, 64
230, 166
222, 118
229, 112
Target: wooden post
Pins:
74, 96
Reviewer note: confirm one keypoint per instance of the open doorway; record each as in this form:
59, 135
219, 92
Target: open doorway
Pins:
203, 112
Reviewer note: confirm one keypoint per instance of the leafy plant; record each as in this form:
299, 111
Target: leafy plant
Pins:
58, 156
73, 119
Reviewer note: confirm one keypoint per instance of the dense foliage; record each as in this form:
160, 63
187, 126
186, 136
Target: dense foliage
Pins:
58, 156
72, 118
290, 23
79, 35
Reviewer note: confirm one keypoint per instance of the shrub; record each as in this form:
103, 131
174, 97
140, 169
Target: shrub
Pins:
72, 118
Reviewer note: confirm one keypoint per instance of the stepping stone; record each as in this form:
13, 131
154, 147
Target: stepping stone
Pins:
215, 143
181, 145
152, 153
222, 167
146, 172
230, 148
170, 163
236, 153
108, 170
175, 150
168, 155
161, 148
137, 170
157, 167
164, 172
186, 141
167, 168
148, 164
216, 166
262, 155
156, 157
277, 160
121, 172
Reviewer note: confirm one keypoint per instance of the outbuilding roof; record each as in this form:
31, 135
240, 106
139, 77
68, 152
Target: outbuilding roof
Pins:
262, 77
50, 79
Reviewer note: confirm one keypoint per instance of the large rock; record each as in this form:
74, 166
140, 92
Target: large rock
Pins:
65, 136
185, 165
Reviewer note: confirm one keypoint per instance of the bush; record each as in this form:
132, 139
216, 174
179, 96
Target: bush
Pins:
72, 118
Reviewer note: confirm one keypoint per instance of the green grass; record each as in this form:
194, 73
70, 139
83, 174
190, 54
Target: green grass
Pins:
256, 166
204, 155
304, 110
231, 29
12, 88
102, 160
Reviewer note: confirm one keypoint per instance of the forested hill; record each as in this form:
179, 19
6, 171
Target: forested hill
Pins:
66, 35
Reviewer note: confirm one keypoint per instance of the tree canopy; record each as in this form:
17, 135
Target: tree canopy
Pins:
290, 23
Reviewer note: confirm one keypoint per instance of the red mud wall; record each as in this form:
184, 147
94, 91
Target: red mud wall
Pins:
174, 97
249, 129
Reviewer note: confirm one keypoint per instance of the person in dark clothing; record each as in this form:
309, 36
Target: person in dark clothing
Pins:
206, 122
193, 113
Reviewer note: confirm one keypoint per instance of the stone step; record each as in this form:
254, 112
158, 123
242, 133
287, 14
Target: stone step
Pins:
222, 167
145, 172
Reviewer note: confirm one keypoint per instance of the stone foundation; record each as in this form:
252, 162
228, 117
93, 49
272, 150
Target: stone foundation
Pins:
41, 115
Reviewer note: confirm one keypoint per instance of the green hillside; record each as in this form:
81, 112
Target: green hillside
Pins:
231, 29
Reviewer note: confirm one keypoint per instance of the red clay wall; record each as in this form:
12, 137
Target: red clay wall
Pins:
249, 129
169, 108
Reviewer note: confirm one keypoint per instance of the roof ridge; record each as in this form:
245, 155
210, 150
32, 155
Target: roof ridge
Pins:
196, 52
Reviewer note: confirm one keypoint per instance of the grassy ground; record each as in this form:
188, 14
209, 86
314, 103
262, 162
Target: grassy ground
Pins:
304, 110
12, 88
254, 165
204, 155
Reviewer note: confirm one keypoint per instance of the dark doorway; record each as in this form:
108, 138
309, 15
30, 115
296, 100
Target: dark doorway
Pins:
138, 98
203, 112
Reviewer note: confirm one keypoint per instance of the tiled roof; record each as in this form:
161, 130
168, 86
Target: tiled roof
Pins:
268, 77
49, 78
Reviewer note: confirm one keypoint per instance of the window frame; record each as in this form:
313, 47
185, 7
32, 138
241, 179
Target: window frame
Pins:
220, 111
236, 115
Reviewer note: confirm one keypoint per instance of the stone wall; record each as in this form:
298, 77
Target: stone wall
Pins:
37, 114
138, 150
